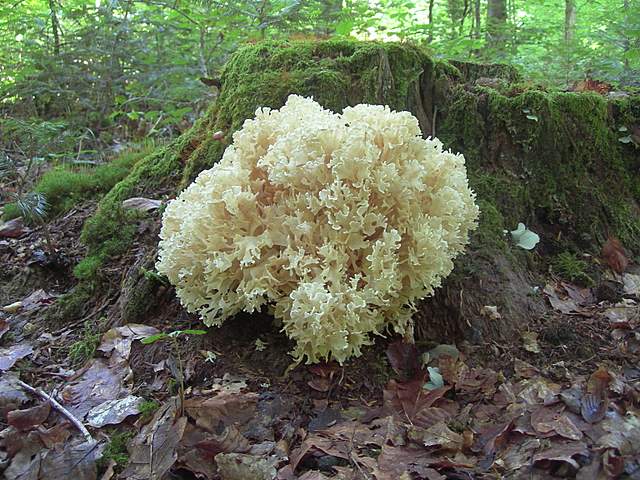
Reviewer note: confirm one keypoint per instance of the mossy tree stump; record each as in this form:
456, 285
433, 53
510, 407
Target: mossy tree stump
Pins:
552, 160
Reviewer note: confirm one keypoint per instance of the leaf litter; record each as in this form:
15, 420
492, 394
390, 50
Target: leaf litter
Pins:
440, 415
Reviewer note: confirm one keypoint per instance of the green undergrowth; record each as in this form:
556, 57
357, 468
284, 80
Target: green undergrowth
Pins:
568, 266
66, 185
116, 449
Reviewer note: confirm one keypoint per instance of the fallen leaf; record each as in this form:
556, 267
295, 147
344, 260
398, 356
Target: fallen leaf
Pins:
438, 435
120, 339
518, 455
11, 394
593, 408
13, 228
564, 305
113, 412
563, 452
54, 436
530, 340
37, 300
404, 359
552, 418
614, 255
141, 204
29, 418
12, 308
612, 464
524, 369
225, 407
154, 450
490, 312
631, 284
77, 460
394, 461
98, 384
238, 466
9, 356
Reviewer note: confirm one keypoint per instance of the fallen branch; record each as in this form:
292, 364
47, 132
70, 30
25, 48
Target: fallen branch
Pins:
54, 403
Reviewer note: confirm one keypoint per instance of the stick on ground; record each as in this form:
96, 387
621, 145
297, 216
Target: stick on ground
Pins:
36, 391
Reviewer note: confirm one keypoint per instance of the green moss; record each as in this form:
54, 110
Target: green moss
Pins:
84, 348
336, 73
72, 304
116, 449
546, 158
147, 409
571, 268
87, 268
67, 185
10, 211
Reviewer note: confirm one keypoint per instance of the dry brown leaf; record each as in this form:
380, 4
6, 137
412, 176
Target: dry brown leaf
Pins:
563, 452
10, 355
225, 407
29, 418
614, 255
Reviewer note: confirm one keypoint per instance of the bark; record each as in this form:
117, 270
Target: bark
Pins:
55, 27
496, 24
569, 21
431, 2
478, 20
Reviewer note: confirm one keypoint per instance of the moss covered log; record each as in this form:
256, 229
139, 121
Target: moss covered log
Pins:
552, 160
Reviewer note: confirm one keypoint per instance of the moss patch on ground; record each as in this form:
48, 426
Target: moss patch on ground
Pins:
65, 186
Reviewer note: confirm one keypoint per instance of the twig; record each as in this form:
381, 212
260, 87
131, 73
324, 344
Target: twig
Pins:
36, 391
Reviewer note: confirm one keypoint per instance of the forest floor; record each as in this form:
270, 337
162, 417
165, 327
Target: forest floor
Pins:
563, 401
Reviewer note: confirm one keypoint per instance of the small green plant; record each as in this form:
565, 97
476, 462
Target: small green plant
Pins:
83, 349
173, 337
147, 409
116, 449
571, 268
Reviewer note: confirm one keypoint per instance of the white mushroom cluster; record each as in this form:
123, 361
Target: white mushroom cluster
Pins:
336, 222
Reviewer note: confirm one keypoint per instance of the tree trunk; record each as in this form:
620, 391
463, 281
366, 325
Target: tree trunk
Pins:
569, 22
478, 20
431, 2
496, 25
55, 27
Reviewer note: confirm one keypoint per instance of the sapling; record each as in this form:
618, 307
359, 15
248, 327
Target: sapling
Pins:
173, 337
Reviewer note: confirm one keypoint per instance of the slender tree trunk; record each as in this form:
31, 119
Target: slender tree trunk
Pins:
478, 20
569, 21
496, 25
201, 53
55, 27
431, 2
626, 73
465, 11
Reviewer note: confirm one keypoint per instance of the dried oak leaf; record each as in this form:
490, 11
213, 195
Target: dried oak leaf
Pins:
10, 355
553, 419
29, 418
613, 253
563, 452
404, 359
154, 450
226, 407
